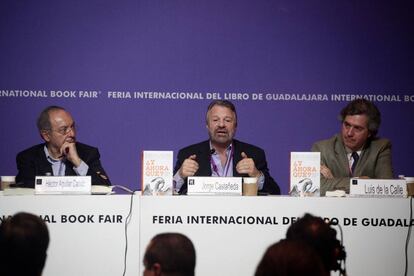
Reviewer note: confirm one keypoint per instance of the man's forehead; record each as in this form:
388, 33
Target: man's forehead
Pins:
60, 116
357, 120
218, 110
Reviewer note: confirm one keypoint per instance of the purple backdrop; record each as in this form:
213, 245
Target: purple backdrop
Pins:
241, 47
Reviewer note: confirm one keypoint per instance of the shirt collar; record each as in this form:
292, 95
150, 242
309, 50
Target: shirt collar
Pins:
213, 151
349, 151
49, 157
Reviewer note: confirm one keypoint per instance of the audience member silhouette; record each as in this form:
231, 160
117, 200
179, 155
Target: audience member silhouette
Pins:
290, 258
24, 239
171, 254
322, 238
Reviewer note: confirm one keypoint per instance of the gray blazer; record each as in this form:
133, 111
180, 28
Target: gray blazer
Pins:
374, 162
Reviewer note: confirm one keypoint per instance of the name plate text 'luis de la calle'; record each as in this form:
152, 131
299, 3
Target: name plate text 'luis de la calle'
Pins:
378, 187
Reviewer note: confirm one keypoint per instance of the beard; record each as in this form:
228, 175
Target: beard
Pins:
221, 136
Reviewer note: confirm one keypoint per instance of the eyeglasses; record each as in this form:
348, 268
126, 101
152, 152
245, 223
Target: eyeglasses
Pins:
65, 130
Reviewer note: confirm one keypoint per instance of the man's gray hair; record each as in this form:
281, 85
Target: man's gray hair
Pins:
223, 103
43, 121
363, 107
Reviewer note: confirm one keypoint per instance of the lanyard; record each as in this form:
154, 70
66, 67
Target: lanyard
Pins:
226, 166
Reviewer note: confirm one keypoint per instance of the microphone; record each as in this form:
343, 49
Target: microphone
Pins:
212, 151
103, 177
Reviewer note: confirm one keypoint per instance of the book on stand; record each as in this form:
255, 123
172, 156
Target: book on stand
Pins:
305, 168
157, 173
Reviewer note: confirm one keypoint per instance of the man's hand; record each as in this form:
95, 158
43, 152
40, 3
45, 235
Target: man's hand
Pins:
189, 167
326, 172
68, 149
247, 166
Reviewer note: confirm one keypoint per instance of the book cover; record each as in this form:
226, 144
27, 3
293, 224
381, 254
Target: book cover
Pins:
157, 173
305, 168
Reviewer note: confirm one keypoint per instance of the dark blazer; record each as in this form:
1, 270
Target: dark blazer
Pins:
202, 151
374, 162
32, 162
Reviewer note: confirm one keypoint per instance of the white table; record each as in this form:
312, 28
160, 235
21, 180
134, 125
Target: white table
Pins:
228, 232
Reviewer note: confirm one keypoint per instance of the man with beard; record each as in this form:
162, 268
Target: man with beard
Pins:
222, 155
356, 151
61, 154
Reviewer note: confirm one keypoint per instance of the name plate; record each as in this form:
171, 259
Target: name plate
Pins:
378, 187
52, 185
198, 185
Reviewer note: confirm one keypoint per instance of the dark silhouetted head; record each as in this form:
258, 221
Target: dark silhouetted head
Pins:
170, 254
24, 239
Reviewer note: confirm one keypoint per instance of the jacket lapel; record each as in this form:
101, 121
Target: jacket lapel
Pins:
363, 159
236, 157
203, 159
43, 166
341, 155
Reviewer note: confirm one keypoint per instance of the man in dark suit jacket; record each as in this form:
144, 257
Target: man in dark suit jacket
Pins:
60, 154
222, 155
356, 151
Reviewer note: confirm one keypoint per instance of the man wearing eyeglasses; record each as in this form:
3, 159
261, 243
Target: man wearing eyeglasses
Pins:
356, 151
61, 154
